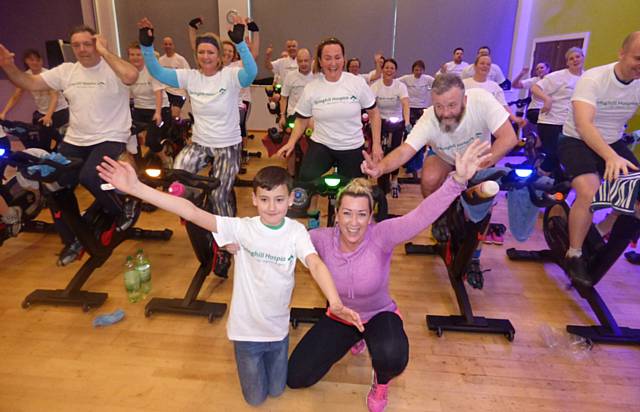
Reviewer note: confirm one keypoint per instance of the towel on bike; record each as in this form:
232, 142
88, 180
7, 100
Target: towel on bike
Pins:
522, 213
621, 194
476, 213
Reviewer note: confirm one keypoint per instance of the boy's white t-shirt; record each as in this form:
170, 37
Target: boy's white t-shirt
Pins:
489, 85
143, 91
214, 103
558, 85
98, 102
388, 98
42, 98
263, 275
419, 90
335, 108
482, 117
614, 101
292, 88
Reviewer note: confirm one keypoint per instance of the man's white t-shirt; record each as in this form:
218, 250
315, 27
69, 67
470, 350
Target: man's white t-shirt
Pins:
495, 73
143, 91
282, 67
42, 98
614, 102
263, 275
526, 84
335, 108
214, 103
292, 88
453, 67
559, 86
489, 85
482, 117
98, 102
174, 62
419, 90
388, 98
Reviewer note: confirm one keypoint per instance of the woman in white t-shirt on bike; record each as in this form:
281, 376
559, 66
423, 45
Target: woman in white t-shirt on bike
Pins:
335, 101
392, 100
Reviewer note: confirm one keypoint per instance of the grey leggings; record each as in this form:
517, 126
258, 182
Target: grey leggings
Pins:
225, 166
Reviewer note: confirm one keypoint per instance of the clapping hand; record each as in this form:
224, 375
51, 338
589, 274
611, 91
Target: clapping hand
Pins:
468, 163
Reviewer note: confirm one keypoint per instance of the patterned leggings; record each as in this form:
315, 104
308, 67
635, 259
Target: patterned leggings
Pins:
225, 166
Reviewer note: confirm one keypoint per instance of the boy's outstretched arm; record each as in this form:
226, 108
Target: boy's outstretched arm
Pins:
123, 177
323, 278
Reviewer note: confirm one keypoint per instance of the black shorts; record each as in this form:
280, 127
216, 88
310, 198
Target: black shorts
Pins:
176, 100
319, 159
579, 159
532, 115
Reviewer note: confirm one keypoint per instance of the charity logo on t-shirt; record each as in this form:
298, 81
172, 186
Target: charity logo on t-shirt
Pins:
220, 92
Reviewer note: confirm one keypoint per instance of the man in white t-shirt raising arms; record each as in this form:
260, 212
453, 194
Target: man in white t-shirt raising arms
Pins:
456, 65
173, 60
284, 65
100, 121
456, 118
591, 146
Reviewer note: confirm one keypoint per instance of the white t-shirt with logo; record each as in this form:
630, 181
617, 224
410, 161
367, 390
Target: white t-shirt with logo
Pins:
489, 85
214, 103
174, 62
245, 92
263, 275
482, 117
335, 108
454, 68
526, 84
495, 73
559, 86
292, 88
143, 91
42, 98
282, 67
419, 90
388, 98
98, 102
614, 101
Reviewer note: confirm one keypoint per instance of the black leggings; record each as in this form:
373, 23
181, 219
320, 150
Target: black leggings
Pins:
549, 134
329, 340
49, 133
320, 158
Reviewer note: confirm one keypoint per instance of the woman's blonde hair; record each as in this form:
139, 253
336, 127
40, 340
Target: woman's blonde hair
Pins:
573, 50
359, 187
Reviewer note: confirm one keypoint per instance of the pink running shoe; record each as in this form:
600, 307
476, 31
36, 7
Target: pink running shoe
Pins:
358, 348
377, 397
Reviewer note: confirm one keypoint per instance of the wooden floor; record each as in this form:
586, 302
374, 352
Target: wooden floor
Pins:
52, 359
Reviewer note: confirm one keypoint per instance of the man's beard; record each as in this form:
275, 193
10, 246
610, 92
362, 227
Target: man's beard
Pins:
450, 128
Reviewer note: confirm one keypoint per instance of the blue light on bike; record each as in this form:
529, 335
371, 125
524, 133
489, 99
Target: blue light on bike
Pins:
2, 151
523, 172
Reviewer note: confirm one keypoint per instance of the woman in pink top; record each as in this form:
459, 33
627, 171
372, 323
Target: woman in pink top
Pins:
358, 254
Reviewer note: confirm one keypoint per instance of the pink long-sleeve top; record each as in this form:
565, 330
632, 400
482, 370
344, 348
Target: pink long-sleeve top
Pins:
362, 276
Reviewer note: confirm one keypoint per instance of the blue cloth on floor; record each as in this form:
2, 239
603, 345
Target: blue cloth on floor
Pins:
476, 213
109, 318
522, 214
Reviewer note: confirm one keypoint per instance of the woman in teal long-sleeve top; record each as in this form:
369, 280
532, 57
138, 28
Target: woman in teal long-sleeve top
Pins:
213, 91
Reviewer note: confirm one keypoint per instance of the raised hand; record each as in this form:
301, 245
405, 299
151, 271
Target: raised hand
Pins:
468, 163
121, 175
6, 57
369, 166
101, 44
146, 32
348, 315
236, 33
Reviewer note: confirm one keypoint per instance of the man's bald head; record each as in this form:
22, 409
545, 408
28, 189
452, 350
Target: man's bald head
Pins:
303, 58
169, 47
628, 66
630, 39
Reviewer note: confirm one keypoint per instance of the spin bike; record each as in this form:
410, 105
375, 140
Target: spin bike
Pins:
95, 230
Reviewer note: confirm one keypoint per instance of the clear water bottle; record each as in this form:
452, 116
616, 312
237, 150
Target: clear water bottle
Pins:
131, 280
143, 266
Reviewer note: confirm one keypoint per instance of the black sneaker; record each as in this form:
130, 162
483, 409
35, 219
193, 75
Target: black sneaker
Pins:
222, 263
633, 257
475, 274
70, 253
130, 212
577, 270
13, 220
